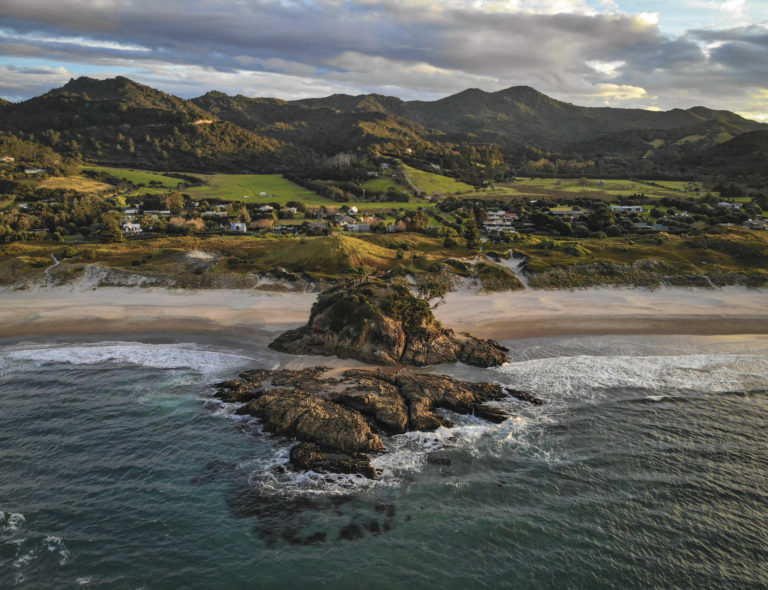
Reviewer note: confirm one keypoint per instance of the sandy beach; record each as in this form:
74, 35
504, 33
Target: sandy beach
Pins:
504, 316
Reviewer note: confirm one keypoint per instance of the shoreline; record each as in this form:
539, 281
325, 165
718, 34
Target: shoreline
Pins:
502, 316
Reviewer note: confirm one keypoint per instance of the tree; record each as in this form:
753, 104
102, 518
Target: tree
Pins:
109, 230
471, 233
433, 287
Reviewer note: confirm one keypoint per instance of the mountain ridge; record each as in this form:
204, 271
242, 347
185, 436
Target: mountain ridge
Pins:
121, 122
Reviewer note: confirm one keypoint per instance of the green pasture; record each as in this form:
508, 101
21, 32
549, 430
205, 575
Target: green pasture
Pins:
434, 184
606, 189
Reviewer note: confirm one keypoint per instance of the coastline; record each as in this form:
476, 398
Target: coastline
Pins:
503, 316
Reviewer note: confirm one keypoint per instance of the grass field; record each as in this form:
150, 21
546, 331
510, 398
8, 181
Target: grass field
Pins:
563, 188
380, 185
246, 188
136, 176
76, 183
436, 184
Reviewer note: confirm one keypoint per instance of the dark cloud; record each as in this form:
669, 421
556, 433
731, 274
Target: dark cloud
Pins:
412, 48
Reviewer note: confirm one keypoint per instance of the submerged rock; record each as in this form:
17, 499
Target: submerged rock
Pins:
384, 324
340, 421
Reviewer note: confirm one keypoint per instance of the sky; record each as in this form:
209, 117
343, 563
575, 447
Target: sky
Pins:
652, 54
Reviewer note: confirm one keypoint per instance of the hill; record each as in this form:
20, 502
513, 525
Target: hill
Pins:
120, 122
473, 135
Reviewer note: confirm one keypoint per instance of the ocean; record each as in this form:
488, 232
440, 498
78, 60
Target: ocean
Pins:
646, 468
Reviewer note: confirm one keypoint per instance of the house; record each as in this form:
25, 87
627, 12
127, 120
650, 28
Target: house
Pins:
132, 229
628, 208
238, 227
352, 211
290, 210
358, 227
755, 224
7, 159
569, 214
129, 212
342, 219
656, 227
727, 205
32, 171
262, 194
213, 214
266, 209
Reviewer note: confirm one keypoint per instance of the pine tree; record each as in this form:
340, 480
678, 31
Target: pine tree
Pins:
471, 233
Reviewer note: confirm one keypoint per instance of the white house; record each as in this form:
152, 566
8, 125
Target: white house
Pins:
754, 224
7, 159
628, 208
358, 227
131, 229
266, 208
238, 227
727, 205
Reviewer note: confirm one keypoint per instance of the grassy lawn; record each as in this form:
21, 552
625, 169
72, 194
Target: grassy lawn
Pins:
246, 188
76, 183
433, 184
563, 188
136, 176
381, 185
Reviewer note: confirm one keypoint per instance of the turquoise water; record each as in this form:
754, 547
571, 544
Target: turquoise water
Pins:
646, 468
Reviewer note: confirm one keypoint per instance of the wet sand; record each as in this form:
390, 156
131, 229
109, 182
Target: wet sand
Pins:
504, 316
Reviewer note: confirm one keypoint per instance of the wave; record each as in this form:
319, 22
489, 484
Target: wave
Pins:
595, 378
155, 356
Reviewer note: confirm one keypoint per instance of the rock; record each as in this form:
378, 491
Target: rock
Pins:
311, 457
431, 345
339, 420
525, 396
491, 413
376, 399
425, 393
482, 353
307, 417
233, 391
383, 324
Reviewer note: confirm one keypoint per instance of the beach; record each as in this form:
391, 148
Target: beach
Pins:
503, 316
640, 469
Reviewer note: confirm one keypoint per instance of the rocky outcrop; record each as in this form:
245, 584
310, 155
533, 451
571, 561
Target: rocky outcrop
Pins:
385, 325
308, 417
340, 421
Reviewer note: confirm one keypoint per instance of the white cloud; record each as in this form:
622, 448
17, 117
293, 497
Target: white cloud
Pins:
606, 68
619, 92
734, 8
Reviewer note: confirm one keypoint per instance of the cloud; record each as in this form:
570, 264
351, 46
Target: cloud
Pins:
585, 51
615, 92
19, 83
734, 8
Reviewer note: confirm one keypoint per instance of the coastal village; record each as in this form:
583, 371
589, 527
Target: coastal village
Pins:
74, 216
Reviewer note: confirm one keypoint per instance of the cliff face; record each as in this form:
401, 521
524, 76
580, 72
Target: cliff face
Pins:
386, 325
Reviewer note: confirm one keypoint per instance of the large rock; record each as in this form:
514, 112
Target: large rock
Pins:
312, 457
338, 420
376, 399
426, 393
386, 325
310, 418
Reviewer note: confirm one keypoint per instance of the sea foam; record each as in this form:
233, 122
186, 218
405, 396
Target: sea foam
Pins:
157, 356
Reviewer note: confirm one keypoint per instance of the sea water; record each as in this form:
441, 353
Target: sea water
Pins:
646, 467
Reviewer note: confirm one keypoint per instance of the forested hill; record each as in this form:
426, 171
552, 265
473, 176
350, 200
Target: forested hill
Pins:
472, 134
